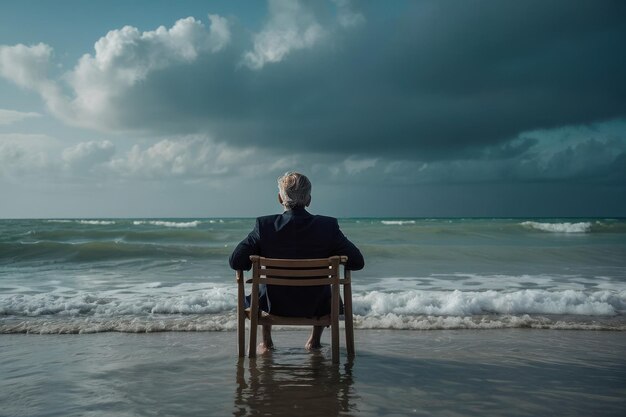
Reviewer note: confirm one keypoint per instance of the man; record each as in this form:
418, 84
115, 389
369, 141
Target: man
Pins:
295, 234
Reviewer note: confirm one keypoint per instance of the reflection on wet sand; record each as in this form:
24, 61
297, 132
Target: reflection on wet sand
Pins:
294, 385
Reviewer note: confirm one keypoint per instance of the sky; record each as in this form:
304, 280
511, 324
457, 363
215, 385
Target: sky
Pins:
421, 108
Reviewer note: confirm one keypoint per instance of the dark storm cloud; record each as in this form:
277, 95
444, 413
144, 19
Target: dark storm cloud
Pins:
421, 81
435, 80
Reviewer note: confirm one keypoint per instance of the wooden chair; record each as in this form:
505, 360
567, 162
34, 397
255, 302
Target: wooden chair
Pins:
295, 272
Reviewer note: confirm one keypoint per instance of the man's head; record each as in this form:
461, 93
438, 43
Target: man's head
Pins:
294, 190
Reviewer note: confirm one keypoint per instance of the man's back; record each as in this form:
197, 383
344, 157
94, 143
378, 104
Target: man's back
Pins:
296, 234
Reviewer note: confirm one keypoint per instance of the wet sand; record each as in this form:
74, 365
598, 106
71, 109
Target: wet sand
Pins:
516, 372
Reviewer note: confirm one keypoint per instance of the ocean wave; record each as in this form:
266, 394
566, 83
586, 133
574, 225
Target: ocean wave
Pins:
397, 222
580, 227
463, 303
102, 251
89, 222
220, 299
152, 324
228, 322
162, 223
147, 235
525, 321
145, 300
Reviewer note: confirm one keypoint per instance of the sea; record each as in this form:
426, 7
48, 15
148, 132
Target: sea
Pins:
454, 317
155, 275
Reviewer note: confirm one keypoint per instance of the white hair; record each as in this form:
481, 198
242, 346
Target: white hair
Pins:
294, 189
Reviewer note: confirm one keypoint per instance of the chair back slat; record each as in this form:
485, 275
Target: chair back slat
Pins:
294, 263
289, 282
297, 273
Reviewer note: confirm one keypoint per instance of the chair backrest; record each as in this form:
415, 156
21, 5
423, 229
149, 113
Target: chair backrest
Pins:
296, 272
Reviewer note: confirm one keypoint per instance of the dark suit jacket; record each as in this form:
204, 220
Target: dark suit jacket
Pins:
296, 234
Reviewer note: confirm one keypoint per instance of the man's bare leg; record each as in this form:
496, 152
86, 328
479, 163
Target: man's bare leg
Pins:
267, 345
314, 341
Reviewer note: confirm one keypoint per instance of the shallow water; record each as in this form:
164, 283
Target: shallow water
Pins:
169, 278
513, 372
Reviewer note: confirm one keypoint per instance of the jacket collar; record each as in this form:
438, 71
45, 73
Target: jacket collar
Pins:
298, 211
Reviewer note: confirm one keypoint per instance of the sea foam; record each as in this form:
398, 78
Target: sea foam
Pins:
142, 300
228, 322
194, 223
397, 222
580, 227
220, 299
89, 222
464, 303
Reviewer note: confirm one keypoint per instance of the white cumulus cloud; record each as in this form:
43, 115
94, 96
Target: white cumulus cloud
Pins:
120, 60
27, 66
86, 156
191, 157
291, 26
8, 117
126, 56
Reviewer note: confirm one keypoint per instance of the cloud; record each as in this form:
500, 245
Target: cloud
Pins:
355, 166
127, 56
584, 161
27, 66
122, 58
291, 27
26, 154
589, 155
186, 158
94, 161
87, 156
346, 15
426, 88
8, 117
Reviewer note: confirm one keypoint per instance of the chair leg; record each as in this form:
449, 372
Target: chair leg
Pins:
254, 319
241, 316
348, 320
241, 335
253, 332
334, 328
335, 343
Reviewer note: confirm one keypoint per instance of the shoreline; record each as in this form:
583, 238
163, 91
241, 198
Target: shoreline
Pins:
159, 323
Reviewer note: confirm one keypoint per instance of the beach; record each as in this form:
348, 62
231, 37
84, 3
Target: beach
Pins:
513, 372
473, 152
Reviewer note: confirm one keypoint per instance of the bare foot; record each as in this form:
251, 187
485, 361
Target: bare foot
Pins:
313, 344
264, 348
314, 341
267, 345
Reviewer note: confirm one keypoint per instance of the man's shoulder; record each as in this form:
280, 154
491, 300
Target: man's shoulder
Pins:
267, 219
325, 219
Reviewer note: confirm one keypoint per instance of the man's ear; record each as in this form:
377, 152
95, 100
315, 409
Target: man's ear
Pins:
308, 202
280, 200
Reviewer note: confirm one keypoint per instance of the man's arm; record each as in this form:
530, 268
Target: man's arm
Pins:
240, 258
343, 246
